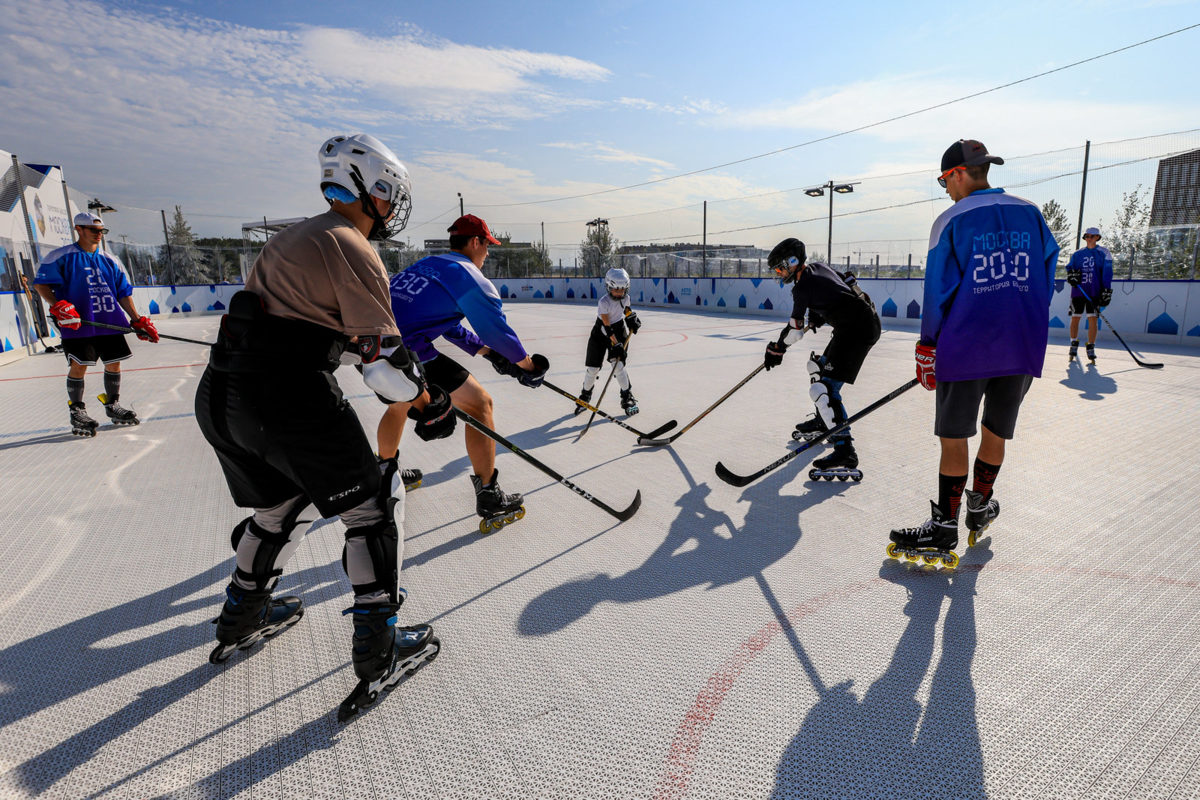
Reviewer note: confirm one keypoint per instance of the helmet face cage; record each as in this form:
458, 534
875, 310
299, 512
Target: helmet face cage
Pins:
351, 164
787, 258
616, 279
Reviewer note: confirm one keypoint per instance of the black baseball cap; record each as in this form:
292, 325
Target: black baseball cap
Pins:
967, 153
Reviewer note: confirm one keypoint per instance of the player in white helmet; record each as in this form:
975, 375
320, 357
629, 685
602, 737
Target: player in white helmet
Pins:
615, 323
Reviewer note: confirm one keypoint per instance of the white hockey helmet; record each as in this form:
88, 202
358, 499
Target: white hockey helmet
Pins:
616, 278
359, 166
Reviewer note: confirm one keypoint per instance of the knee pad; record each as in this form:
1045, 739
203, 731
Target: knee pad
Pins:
816, 363
622, 376
829, 406
261, 554
371, 559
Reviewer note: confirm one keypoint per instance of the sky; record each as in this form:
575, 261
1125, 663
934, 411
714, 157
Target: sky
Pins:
540, 113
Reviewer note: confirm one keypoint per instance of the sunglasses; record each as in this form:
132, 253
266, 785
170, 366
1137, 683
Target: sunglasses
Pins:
97, 231
944, 175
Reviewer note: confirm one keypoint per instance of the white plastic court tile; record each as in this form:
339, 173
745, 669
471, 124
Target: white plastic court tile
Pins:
724, 643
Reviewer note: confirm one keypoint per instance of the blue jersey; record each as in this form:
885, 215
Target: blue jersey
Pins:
989, 278
1097, 267
92, 282
433, 296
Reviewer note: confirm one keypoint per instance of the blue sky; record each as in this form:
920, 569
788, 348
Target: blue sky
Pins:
220, 106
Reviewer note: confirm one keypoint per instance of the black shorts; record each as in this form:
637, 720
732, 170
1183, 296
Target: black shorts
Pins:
1081, 306
848, 348
597, 346
445, 373
958, 406
86, 350
282, 434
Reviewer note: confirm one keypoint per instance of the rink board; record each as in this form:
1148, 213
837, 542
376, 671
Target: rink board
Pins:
723, 643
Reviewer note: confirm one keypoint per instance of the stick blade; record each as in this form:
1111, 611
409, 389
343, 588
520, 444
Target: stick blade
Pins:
734, 480
659, 431
646, 441
1150, 365
633, 507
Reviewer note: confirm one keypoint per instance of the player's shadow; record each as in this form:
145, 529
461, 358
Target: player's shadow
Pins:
85, 654
1088, 381
887, 744
49, 438
702, 547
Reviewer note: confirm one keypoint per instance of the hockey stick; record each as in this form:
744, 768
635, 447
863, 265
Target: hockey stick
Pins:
123, 329
33, 319
650, 441
491, 434
581, 402
1140, 363
611, 372
741, 480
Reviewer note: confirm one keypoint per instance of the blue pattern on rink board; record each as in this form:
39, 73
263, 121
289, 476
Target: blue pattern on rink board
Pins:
914, 310
1055, 322
742, 301
570, 294
186, 308
1194, 331
721, 303
888, 309
153, 307
766, 305
1163, 323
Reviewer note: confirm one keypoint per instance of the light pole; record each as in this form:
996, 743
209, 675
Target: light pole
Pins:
96, 207
460, 205
817, 191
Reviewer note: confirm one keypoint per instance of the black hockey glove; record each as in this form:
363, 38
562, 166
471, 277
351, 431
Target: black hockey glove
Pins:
815, 320
389, 369
503, 365
1074, 276
635, 324
617, 352
617, 329
533, 378
774, 355
1105, 298
437, 420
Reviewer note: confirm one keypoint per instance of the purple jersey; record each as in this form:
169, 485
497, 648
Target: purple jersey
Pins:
1096, 266
988, 283
93, 282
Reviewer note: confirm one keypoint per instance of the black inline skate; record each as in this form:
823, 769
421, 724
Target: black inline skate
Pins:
812, 428
496, 508
1091, 352
383, 653
585, 396
1074, 351
81, 423
628, 402
841, 464
118, 415
980, 513
250, 615
932, 542
411, 478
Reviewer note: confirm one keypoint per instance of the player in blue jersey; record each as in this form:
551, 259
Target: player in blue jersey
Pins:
430, 300
84, 284
1090, 274
989, 278
821, 294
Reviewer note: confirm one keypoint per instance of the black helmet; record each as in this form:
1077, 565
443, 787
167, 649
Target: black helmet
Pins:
787, 258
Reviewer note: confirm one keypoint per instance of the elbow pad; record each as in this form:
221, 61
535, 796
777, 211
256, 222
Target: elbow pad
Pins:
789, 335
389, 369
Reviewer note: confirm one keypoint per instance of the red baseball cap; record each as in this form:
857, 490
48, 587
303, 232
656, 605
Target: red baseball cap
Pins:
471, 225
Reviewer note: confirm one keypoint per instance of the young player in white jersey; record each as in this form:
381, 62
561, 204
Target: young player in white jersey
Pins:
615, 323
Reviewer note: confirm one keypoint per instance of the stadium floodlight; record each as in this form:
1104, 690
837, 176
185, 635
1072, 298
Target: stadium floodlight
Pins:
819, 191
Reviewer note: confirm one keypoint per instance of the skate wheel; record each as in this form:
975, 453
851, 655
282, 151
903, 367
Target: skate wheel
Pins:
813, 476
219, 655
892, 552
485, 526
930, 561
370, 698
520, 513
843, 477
857, 478
972, 538
797, 436
950, 560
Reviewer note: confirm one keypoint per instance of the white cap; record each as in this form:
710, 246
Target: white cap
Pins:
1092, 232
87, 218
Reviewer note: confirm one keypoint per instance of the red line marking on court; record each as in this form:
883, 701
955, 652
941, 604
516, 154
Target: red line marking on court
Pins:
100, 371
689, 735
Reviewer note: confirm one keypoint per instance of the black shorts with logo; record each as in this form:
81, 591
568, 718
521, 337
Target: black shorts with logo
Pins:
1081, 306
278, 435
445, 373
958, 406
87, 350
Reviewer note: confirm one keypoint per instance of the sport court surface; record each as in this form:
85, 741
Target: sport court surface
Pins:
723, 643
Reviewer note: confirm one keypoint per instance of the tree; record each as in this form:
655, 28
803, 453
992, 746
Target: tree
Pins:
180, 255
1127, 238
1060, 226
598, 248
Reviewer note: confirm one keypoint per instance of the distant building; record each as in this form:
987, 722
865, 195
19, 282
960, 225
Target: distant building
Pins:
1177, 191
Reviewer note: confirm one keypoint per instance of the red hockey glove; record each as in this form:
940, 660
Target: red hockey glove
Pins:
65, 314
144, 329
926, 357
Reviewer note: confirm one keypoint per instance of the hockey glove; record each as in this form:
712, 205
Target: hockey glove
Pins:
389, 369
1105, 298
436, 420
617, 329
145, 329
65, 314
502, 365
1074, 276
774, 355
926, 358
533, 378
635, 324
617, 352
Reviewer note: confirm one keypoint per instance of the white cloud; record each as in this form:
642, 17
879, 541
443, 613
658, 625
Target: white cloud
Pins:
599, 151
